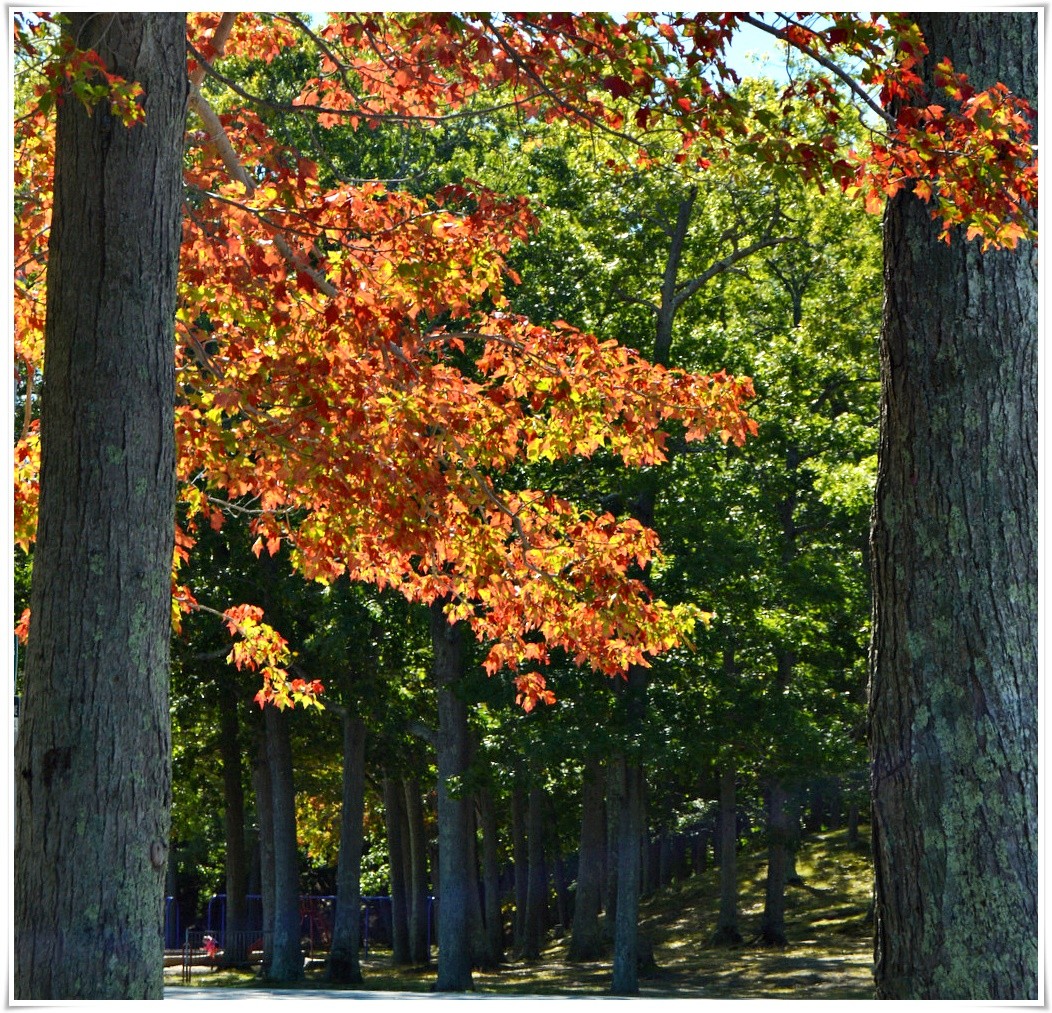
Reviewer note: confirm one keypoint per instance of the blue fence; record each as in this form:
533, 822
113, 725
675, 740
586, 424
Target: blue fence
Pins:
173, 937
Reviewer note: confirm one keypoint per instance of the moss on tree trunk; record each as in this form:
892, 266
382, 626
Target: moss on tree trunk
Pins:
953, 695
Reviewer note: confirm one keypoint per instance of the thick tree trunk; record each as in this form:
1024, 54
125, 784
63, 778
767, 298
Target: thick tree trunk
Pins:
455, 818
537, 892
287, 958
727, 932
418, 907
265, 818
93, 750
772, 925
586, 942
236, 854
494, 926
953, 694
394, 820
344, 967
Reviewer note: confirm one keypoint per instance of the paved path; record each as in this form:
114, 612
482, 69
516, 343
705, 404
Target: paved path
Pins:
256, 994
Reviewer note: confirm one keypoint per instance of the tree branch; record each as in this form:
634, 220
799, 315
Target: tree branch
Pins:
237, 171
422, 731
824, 61
363, 111
219, 37
724, 263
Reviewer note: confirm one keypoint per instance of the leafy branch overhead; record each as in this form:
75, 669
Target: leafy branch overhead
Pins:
350, 375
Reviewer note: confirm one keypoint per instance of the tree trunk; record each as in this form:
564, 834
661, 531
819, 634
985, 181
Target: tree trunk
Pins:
772, 926
537, 892
701, 851
562, 903
236, 854
418, 895
631, 818
626, 922
93, 751
615, 792
586, 942
852, 823
455, 819
953, 693
287, 959
665, 860
520, 857
793, 808
492, 920
265, 818
394, 820
479, 947
727, 932
344, 967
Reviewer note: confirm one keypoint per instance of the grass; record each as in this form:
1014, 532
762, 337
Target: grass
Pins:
829, 955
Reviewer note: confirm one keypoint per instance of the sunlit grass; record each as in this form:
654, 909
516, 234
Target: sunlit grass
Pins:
829, 955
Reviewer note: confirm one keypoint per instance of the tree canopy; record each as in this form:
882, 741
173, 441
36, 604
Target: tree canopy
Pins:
349, 373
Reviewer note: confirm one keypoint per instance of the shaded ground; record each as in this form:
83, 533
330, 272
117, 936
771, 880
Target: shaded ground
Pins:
829, 954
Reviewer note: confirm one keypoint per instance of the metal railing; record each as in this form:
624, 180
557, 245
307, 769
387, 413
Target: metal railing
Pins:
215, 949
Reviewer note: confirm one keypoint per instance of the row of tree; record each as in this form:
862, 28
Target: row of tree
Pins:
353, 380
768, 277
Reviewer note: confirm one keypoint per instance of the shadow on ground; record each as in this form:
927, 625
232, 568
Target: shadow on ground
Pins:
829, 955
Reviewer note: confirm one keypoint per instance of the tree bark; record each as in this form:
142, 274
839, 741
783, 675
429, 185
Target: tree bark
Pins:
455, 818
418, 895
93, 751
520, 858
615, 791
586, 942
626, 923
491, 916
394, 820
793, 807
344, 967
236, 854
265, 818
953, 665
479, 945
772, 925
287, 958
727, 932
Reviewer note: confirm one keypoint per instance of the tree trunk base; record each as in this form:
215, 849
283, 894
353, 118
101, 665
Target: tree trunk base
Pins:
645, 962
726, 935
583, 951
343, 971
773, 938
